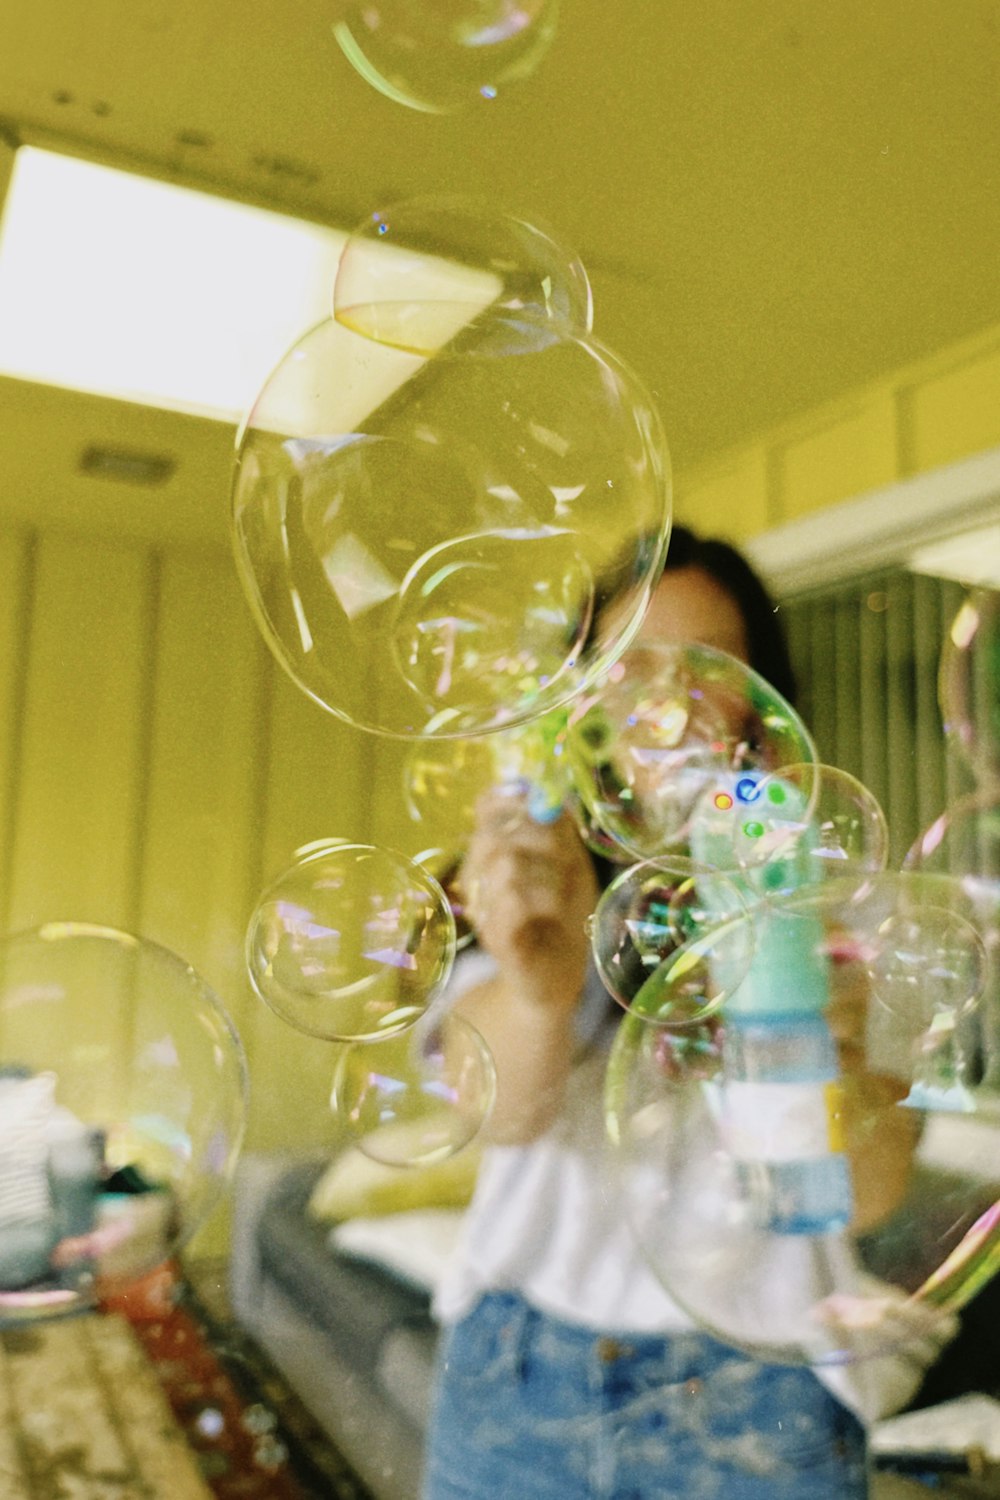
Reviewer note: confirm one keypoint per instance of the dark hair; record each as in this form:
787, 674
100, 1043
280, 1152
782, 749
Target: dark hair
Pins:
766, 641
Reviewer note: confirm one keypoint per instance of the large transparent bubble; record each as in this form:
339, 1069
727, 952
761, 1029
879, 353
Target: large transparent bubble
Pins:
350, 942
810, 1163
122, 1110
664, 751
439, 56
451, 546
969, 684
960, 850
406, 268
417, 1097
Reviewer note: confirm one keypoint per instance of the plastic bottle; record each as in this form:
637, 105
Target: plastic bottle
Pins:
780, 1095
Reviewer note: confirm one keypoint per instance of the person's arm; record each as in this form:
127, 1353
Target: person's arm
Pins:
529, 888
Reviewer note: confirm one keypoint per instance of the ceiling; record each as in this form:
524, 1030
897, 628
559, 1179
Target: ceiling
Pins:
777, 200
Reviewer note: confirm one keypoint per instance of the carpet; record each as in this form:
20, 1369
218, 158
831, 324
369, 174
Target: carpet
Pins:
149, 1398
83, 1417
251, 1437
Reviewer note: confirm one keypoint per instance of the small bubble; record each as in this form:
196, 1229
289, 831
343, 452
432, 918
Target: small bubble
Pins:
210, 1423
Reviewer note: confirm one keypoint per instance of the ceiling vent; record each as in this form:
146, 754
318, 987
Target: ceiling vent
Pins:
127, 465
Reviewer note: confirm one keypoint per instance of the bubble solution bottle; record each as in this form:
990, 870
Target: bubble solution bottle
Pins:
780, 1097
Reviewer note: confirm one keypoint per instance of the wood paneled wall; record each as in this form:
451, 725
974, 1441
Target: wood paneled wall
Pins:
157, 768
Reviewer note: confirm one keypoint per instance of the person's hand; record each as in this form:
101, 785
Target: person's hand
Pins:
529, 888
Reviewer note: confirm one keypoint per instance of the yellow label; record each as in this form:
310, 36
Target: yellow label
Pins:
833, 1096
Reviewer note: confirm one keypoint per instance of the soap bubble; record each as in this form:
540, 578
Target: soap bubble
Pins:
805, 823
417, 1097
438, 56
443, 780
660, 750
665, 940
407, 269
122, 1109
960, 852
454, 546
350, 942
969, 683
791, 1177
517, 603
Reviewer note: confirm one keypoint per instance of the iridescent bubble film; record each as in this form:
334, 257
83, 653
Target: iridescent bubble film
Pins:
439, 56
446, 868
665, 745
804, 823
796, 1174
122, 1111
444, 779
666, 942
453, 545
417, 1097
350, 942
960, 852
406, 267
969, 683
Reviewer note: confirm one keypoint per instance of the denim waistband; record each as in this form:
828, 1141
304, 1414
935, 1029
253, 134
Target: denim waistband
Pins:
678, 1355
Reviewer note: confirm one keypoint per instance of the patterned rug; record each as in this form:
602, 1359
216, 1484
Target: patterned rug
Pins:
153, 1399
251, 1437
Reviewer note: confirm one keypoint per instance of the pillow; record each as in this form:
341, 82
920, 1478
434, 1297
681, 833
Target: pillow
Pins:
414, 1245
354, 1185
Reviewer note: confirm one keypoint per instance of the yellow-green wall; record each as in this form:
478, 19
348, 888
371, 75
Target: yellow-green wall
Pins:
920, 418
156, 767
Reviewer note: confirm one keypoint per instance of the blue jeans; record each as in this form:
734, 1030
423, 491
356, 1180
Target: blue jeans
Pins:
528, 1408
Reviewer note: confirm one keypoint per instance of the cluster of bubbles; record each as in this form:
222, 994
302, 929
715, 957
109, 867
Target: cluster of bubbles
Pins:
451, 501
792, 1095
439, 56
122, 1104
451, 504
462, 561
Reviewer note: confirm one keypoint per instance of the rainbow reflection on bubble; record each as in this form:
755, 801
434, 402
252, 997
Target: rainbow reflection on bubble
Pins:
123, 1098
418, 1097
672, 733
350, 942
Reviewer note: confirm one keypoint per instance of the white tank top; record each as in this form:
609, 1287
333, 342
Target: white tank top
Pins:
548, 1220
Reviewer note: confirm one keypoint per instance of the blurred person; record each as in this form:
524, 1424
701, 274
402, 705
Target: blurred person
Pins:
566, 1371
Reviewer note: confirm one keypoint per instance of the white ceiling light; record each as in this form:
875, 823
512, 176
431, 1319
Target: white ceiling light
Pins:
122, 286
125, 287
